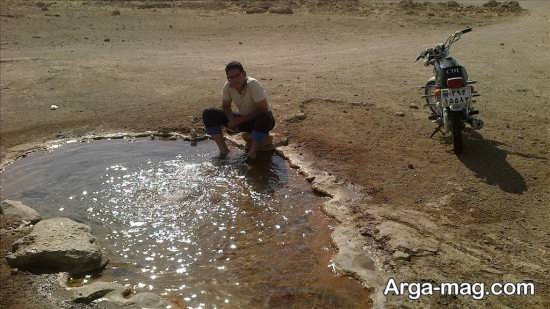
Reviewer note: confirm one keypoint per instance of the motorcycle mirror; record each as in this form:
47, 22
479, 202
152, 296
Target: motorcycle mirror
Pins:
422, 55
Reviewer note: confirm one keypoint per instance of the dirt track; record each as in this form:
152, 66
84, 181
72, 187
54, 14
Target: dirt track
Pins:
483, 216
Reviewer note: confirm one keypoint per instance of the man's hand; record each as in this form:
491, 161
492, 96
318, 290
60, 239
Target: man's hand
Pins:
233, 123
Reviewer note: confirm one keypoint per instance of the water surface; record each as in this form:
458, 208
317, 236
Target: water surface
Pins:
179, 223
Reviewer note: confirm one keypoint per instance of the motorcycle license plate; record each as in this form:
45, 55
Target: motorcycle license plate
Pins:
456, 96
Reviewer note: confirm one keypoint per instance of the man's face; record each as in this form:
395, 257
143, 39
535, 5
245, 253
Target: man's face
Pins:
236, 78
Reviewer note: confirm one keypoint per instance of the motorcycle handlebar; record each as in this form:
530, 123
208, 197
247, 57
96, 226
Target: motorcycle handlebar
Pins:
447, 44
422, 55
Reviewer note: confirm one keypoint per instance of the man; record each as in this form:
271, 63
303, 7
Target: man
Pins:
254, 115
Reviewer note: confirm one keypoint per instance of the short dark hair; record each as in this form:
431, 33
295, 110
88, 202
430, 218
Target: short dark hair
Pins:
234, 65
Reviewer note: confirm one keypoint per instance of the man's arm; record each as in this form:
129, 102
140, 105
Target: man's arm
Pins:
226, 106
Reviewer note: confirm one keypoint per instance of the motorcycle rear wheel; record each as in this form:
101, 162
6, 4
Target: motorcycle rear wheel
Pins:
457, 125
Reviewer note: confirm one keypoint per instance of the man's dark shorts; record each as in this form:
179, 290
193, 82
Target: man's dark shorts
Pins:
215, 118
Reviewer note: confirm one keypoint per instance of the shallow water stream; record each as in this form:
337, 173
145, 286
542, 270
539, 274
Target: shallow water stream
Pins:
174, 221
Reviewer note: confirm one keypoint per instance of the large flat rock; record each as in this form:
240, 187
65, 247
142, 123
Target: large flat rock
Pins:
57, 245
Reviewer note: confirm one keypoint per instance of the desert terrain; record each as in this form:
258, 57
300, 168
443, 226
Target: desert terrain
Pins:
348, 67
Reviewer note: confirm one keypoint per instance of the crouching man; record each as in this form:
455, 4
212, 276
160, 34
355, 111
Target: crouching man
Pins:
254, 114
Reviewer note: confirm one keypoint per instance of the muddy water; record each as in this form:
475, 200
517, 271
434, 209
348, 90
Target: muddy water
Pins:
178, 223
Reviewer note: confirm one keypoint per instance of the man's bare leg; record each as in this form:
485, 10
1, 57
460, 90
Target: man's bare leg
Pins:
253, 150
222, 146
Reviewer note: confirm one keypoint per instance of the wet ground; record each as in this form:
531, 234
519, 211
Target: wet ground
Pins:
215, 233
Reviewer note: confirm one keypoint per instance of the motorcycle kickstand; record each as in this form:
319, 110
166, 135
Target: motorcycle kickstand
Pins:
438, 129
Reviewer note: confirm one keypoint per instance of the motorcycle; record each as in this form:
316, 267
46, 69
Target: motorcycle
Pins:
449, 93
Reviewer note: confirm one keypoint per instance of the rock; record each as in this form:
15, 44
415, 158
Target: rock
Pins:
53, 107
260, 4
325, 185
359, 103
116, 13
57, 245
107, 40
453, 4
148, 300
256, 10
400, 255
410, 166
281, 10
93, 291
512, 6
408, 4
413, 106
491, 4
118, 297
18, 211
296, 117
140, 300
280, 140
400, 114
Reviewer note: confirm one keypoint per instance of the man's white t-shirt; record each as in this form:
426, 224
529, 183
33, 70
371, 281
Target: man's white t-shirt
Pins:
253, 93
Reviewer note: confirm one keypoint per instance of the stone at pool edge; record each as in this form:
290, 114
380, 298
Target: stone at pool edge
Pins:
115, 294
57, 245
90, 292
137, 301
19, 212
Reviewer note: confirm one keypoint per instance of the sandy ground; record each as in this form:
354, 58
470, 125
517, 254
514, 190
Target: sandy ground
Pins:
483, 216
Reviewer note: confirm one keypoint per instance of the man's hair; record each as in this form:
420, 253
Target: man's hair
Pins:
234, 65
